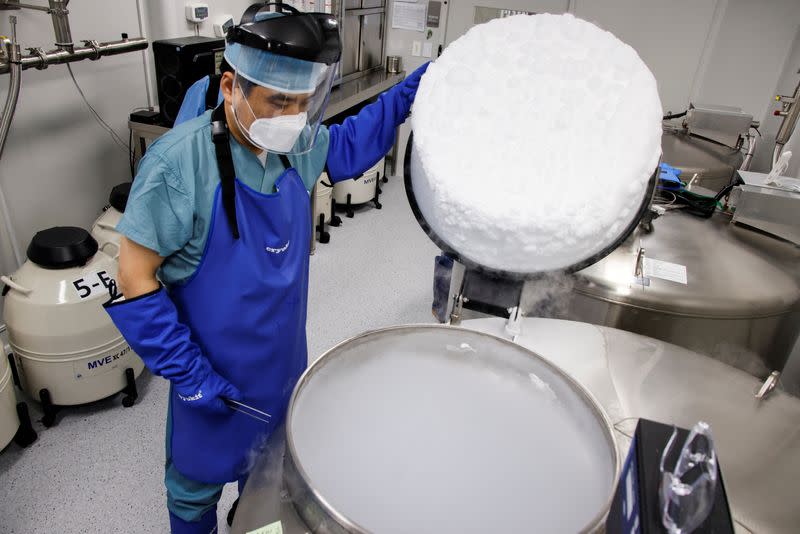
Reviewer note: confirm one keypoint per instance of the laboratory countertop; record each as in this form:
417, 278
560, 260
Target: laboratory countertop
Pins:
631, 376
343, 97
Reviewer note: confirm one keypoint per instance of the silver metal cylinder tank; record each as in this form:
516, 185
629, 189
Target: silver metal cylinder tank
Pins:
714, 164
740, 302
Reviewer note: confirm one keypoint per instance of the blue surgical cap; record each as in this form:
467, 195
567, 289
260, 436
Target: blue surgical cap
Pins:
274, 71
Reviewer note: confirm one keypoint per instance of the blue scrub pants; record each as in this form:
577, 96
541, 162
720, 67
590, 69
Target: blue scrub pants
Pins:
190, 501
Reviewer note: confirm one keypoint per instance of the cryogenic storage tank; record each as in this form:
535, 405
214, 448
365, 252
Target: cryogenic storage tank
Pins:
713, 163
443, 459
708, 285
15, 423
104, 229
66, 349
365, 188
9, 423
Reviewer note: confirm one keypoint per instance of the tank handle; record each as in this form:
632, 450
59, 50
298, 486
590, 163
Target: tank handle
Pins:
116, 247
15, 286
106, 226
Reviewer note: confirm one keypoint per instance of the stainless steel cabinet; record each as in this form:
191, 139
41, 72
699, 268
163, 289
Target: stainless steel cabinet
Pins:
371, 54
351, 40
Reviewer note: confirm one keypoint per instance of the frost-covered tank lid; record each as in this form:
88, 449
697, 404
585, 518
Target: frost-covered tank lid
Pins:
62, 247
535, 143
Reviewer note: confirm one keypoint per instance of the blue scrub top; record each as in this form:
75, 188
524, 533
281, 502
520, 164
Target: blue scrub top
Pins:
169, 208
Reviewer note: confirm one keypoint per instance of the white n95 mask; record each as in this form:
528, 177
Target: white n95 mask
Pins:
278, 134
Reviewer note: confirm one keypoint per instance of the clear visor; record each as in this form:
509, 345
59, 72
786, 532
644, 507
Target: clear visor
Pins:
280, 109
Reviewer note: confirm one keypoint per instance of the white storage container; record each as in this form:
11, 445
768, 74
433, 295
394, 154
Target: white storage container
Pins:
66, 348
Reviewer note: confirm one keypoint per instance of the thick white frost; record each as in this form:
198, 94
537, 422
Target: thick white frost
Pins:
534, 140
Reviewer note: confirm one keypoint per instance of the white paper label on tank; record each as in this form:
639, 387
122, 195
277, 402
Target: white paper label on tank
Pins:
272, 528
674, 272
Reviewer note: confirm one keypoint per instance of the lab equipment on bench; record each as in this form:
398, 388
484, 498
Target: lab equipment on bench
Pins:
709, 145
179, 63
104, 229
66, 349
769, 203
671, 482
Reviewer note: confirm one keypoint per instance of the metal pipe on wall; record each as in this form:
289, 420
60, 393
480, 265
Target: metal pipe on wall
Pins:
40, 59
59, 12
13, 56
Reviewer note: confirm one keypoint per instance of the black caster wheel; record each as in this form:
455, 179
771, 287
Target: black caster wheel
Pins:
131, 393
25, 433
385, 180
50, 410
378, 205
324, 237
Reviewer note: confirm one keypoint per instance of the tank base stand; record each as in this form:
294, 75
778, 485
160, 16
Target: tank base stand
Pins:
130, 391
50, 410
25, 433
324, 237
335, 219
349, 213
14, 373
376, 198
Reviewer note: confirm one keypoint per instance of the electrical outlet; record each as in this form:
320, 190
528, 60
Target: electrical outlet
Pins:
427, 49
416, 49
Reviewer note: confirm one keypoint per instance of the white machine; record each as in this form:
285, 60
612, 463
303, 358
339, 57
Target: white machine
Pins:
15, 423
66, 349
196, 12
104, 229
365, 188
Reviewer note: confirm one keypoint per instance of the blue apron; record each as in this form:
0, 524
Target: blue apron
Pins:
246, 308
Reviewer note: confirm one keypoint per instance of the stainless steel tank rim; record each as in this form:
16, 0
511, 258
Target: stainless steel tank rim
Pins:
64, 356
511, 275
629, 304
319, 363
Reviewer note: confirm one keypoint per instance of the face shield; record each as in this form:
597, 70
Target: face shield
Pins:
284, 68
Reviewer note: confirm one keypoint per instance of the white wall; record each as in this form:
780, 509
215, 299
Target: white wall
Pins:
669, 37
729, 52
166, 19
59, 164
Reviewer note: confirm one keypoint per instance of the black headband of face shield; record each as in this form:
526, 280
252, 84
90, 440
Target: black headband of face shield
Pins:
307, 36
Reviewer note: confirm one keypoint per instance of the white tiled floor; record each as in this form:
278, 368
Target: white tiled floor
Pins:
100, 469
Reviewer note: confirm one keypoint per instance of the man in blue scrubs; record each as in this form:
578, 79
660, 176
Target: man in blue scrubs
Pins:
219, 213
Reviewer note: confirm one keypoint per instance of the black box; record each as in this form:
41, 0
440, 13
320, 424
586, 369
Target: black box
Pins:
179, 63
636, 508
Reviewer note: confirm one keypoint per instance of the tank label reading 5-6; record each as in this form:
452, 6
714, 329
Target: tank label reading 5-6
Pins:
92, 284
98, 365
